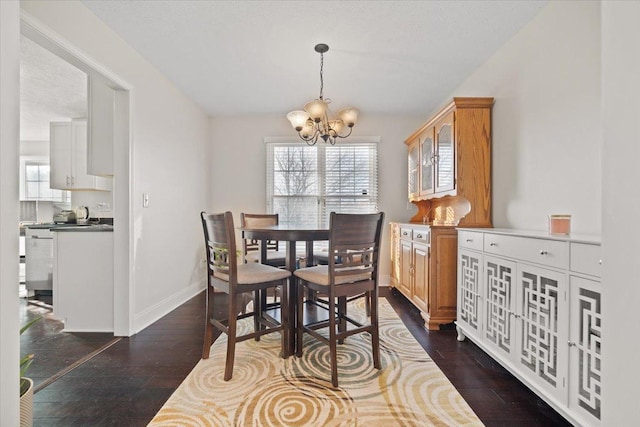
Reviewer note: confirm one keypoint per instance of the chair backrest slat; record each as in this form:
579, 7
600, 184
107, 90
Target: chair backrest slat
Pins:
354, 242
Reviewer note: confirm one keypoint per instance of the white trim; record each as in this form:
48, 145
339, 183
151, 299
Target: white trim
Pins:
167, 305
40, 33
9, 155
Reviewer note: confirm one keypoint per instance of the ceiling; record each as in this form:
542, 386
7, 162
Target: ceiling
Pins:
257, 57
51, 89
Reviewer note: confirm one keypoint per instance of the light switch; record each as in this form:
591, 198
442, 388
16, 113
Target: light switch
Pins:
145, 200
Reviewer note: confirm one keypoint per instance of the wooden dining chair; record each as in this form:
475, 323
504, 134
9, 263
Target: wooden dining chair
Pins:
354, 252
251, 247
226, 275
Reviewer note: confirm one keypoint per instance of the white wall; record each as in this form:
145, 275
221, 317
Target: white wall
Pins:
546, 119
170, 147
621, 206
100, 203
38, 149
9, 134
238, 164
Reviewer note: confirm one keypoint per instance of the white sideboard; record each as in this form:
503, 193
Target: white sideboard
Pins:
533, 302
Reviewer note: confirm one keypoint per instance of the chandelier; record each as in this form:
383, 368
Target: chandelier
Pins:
315, 120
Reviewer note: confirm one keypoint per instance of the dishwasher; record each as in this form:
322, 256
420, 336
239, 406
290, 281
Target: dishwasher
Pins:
38, 261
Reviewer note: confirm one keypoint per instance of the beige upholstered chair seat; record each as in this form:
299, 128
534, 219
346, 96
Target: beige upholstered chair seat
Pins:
252, 273
320, 275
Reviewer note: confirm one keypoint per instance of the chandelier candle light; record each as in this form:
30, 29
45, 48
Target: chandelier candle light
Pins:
314, 121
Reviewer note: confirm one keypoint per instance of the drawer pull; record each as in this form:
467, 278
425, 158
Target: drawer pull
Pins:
571, 344
469, 240
543, 252
419, 236
493, 244
405, 233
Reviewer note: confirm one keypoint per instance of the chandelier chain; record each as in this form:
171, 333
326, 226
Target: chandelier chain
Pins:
321, 79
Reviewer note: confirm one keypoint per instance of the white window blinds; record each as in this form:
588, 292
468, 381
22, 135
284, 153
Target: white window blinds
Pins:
305, 184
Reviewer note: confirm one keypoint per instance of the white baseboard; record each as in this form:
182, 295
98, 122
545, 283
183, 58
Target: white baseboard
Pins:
161, 309
156, 312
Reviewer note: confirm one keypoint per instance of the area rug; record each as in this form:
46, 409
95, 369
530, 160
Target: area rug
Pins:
267, 390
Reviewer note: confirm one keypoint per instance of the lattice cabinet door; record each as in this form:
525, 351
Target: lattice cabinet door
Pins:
469, 315
585, 353
499, 310
542, 331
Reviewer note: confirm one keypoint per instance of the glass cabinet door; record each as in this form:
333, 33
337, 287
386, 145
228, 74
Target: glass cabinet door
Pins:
414, 170
445, 154
426, 162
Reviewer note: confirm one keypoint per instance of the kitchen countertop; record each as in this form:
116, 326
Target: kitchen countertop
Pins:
71, 227
84, 228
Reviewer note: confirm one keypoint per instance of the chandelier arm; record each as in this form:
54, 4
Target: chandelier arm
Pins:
350, 130
311, 139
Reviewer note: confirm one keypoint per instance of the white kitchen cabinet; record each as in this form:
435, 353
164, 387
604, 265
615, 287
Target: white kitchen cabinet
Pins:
83, 280
100, 130
541, 315
69, 158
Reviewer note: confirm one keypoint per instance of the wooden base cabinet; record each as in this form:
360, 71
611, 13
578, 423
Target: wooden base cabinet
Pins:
532, 302
424, 270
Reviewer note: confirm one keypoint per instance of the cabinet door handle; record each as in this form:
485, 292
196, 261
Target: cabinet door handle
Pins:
599, 262
571, 344
493, 244
543, 252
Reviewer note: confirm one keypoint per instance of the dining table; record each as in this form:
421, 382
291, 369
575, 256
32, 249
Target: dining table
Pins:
290, 234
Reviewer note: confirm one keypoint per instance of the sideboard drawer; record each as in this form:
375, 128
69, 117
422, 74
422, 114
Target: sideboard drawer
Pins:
406, 233
470, 240
551, 253
586, 259
422, 235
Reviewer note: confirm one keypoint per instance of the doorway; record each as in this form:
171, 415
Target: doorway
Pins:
122, 148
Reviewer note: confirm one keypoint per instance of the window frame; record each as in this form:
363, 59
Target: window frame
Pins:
54, 195
322, 214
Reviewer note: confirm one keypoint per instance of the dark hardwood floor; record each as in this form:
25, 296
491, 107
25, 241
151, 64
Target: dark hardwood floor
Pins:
126, 383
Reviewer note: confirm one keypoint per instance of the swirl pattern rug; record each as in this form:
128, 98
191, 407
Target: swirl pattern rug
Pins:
267, 390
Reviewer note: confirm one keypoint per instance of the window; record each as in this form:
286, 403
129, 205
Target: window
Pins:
36, 182
305, 184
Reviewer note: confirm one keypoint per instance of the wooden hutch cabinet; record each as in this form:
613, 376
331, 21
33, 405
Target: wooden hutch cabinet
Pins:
449, 181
